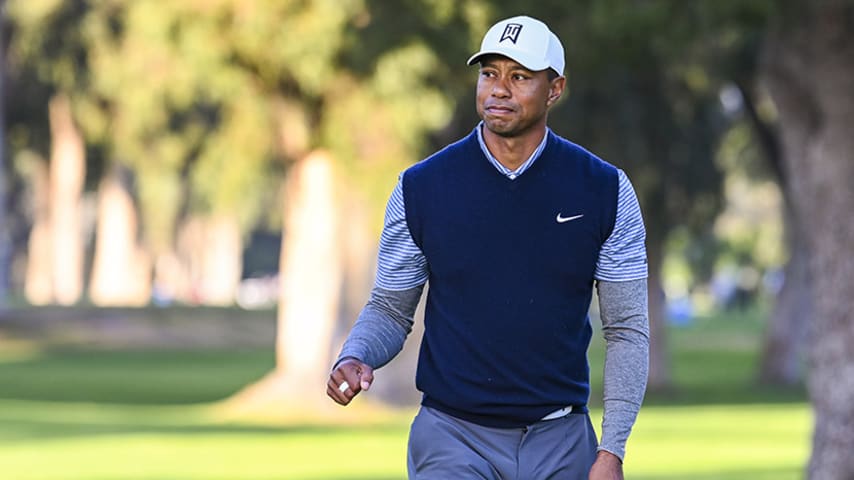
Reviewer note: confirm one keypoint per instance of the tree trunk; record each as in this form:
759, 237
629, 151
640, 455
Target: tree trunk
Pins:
222, 261
660, 375
311, 273
121, 270
785, 340
208, 264
808, 66
187, 262
171, 280
37, 282
311, 277
358, 245
5, 236
67, 173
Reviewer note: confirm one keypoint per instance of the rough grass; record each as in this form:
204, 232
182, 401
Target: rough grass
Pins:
150, 413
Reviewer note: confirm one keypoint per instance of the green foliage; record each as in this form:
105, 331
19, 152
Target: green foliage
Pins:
378, 126
183, 113
43, 55
204, 99
44, 32
201, 99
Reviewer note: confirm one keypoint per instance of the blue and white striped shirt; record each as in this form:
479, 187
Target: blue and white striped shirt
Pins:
402, 265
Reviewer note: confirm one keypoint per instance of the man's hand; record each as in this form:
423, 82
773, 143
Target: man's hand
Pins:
606, 467
358, 376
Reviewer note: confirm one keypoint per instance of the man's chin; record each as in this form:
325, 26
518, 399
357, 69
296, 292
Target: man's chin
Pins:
502, 129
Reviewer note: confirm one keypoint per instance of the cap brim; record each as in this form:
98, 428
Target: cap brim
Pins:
527, 63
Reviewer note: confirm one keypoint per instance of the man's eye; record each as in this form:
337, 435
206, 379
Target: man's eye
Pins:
519, 76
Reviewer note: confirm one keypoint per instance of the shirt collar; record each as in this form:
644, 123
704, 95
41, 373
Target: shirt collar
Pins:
511, 174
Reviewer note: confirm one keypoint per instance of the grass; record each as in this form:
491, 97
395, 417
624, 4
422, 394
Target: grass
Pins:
103, 414
153, 376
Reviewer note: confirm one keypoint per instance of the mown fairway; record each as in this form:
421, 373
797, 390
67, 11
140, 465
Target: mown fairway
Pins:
147, 414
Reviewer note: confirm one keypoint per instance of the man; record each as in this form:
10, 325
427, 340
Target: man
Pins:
511, 226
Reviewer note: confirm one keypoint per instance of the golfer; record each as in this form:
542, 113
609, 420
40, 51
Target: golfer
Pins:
512, 227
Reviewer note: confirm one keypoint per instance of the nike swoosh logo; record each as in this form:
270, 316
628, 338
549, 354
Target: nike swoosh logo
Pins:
566, 219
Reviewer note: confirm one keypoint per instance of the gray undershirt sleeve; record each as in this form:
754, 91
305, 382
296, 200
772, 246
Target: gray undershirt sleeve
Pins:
382, 326
625, 326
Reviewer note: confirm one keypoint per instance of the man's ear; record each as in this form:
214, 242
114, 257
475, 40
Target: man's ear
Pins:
556, 89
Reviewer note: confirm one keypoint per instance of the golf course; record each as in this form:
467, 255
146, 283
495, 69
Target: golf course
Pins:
72, 411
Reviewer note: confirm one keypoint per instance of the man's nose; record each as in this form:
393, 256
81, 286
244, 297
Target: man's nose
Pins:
500, 89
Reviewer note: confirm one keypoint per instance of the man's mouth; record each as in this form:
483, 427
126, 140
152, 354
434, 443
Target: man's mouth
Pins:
499, 109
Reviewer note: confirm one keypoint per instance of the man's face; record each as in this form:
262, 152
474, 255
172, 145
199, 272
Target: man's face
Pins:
511, 99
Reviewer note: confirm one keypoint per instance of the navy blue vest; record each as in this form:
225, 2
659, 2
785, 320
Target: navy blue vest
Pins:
506, 325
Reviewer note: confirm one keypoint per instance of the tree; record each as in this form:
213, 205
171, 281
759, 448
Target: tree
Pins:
345, 132
785, 335
5, 237
67, 174
169, 101
120, 277
786, 332
192, 100
807, 65
44, 34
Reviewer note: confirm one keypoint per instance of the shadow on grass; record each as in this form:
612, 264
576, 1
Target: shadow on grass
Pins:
350, 476
714, 361
745, 394
358, 477
132, 377
15, 430
715, 375
764, 474
176, 377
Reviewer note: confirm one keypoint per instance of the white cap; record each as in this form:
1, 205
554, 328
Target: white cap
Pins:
525, 40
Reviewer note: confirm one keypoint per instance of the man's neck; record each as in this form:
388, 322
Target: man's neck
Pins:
513, 151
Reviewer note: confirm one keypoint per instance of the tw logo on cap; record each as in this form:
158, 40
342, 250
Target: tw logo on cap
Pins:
511, 32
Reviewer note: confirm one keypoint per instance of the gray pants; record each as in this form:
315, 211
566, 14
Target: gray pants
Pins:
442, 447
